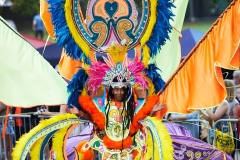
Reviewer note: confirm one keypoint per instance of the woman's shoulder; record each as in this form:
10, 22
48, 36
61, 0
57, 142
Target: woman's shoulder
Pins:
233, 103
224, 103
224, 106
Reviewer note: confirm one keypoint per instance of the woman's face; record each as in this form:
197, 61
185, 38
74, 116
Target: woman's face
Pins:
118, 93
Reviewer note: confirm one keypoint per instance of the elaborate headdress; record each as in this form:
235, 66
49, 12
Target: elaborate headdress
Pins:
87, 37
120, 67
115, 65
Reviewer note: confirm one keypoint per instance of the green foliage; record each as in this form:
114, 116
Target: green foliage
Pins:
215, 3
26, 7
32, 7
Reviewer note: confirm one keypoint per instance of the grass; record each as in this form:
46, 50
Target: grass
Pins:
198, 25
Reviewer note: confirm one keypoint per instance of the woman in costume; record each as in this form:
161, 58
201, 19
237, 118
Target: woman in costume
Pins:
116, 114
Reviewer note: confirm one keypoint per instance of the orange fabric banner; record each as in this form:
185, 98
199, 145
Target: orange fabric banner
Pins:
198, 81
18, 121
5, 122
46, 17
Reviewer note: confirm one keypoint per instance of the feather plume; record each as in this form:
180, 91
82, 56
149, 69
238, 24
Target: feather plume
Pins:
76, 86
96, 74
153, 74
58, 145
117, 52
162, 26
157, 30
136, 68
63, 34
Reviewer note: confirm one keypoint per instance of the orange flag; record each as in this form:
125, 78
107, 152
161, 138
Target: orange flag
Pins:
198, 81
46, 17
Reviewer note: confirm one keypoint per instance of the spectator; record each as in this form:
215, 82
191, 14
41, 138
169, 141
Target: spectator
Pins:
220, 112
9, 132
194, 128
238, 93
234, 107
228, 109
236, 77
38, 27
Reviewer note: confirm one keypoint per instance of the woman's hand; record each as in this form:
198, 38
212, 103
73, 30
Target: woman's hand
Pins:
157, 107
74, 110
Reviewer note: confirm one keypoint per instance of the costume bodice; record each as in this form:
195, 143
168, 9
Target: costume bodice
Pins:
116, 129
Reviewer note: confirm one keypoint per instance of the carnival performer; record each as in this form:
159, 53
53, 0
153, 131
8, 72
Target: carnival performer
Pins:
117, 113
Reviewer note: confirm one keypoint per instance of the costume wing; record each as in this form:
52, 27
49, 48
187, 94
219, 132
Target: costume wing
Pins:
158, 139
169, 141
37, 138
27, 79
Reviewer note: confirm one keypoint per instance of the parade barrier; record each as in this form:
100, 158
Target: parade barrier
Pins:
20, 124
195, 125
14, 131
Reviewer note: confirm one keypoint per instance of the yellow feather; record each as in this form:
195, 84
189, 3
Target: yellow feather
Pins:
165, 138
149, 142
84, 92
117, 52
152, 20
138, 157
151, 88
58, 142
146, 55
85, 67
35, 149
21, 147
77, 38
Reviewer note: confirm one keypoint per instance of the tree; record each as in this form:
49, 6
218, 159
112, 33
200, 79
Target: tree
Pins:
26, 7
31, 7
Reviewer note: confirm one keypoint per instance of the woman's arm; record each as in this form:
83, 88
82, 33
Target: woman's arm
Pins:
221, 110
206, 117
81, 114
178, 118
63, 108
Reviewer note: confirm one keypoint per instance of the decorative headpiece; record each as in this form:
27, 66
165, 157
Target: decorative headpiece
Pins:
126, 72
